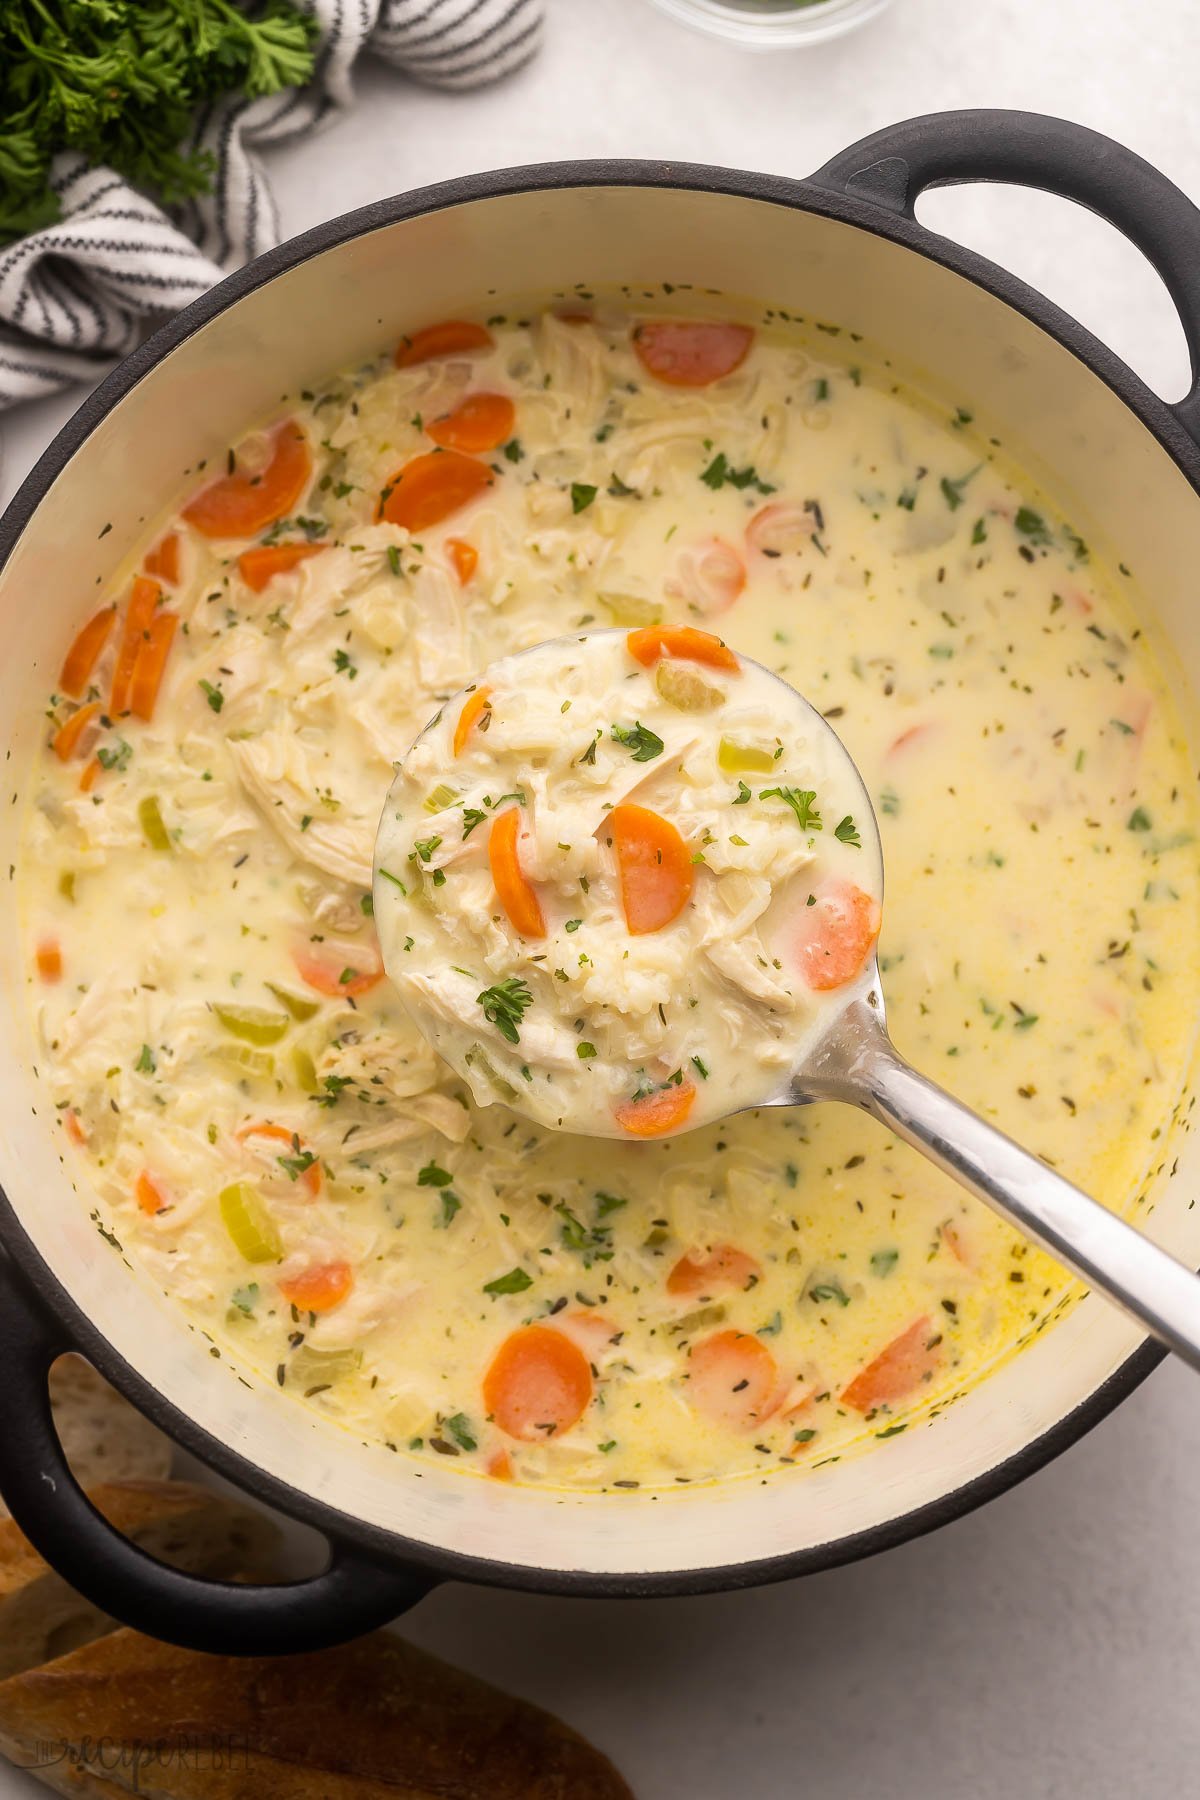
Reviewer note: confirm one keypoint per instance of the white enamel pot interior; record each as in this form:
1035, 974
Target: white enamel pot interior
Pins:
1118, 461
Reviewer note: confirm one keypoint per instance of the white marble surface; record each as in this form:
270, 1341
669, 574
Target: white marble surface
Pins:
1046, 1646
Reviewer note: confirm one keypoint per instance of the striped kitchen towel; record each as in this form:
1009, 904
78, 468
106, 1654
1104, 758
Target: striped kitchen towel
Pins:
76, 297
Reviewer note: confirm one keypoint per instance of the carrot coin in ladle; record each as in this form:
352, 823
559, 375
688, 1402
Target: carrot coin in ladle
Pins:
628, 883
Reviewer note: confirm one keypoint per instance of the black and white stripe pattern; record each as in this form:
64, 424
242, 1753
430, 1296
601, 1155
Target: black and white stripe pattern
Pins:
75, 297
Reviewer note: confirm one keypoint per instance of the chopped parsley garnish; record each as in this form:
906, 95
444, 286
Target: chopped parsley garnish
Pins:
245, 1298
505, 1005
1139, 819
432, 1176
515, 1282
847, 832
801, 801
830, 1290
572, 924
719, 474
979, 532
513, 451
884, 1261
145, 1064
451, 1204
393, 556
213, 695
333, 1085
459, 1428
115, 755
344, 665
394, 879
742, 795
424, 848
472, 816
1031, 525
644, 744
582, 495
585, 1052
700, 1068
296, 1166
952, 491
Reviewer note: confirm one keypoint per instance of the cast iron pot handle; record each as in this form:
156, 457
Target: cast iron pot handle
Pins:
894, 167
350, 1596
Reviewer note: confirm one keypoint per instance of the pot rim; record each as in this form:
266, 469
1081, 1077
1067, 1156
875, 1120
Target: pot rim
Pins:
797, 195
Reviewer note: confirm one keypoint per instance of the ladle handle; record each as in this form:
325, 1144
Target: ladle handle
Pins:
1100, 1248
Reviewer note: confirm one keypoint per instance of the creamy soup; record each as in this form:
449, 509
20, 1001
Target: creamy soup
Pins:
260, 1123
589, 910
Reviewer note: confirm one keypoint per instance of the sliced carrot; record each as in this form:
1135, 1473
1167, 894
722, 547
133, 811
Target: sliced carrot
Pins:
144, 597
655, 866
464, 559
73, 1126
431, 487
91, 775
907, 1361
334, 973
724, 1267
952, 1237
479, 422
49, 960
151, 664
651, 642
319, 1289
163, 560
452, 337
262, 563
264, 1128
499, 1466
241, 504
84, 653
781, 528
67, 737
666, 1109
913, 735
708, 577
473, 709
516, 895
590, 1330
733, 1380
538, 1384
691, 352
149, 1195
836, 935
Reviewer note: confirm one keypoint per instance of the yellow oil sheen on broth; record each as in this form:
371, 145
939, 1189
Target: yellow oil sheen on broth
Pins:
271, 1137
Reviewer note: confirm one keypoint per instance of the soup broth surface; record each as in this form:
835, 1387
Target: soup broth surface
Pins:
267, 1131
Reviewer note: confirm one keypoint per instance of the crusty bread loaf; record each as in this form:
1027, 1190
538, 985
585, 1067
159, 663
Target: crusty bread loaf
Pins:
41, 1617
103, 1437
374, 1720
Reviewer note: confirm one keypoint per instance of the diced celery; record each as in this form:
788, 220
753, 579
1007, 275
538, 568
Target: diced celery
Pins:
258, 1064
297, 1005
734, 757
253, 1024
700, 1320
311, 1368
66, 885
151, 821
249, 1223
305, 1070
441, 797
477, 1058
683, 687
630, 609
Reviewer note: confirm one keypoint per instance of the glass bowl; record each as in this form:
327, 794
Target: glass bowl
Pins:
773, 24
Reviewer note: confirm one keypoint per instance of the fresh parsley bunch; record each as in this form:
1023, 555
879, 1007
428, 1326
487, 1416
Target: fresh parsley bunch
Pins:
120, 81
